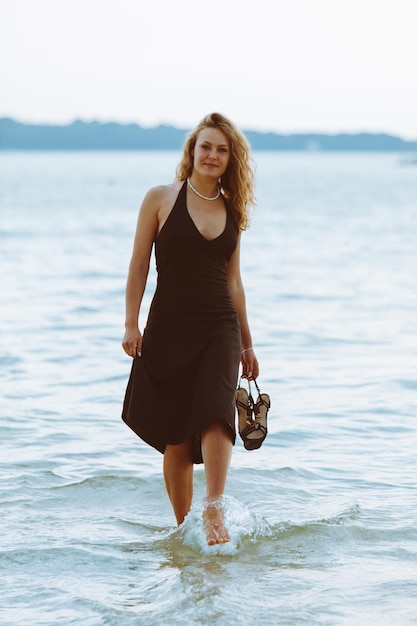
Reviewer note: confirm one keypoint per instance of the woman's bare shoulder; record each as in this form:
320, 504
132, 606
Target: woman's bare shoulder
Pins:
163, 194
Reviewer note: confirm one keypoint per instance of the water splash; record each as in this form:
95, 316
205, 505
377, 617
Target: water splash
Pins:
242, 523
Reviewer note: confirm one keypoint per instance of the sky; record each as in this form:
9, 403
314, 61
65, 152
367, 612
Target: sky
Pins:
270, 65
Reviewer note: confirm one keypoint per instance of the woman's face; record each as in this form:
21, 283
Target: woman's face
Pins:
211, 153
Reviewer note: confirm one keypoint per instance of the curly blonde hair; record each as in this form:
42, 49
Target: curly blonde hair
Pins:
237, 183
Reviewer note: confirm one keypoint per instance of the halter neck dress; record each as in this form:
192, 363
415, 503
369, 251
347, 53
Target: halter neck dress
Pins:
187, 374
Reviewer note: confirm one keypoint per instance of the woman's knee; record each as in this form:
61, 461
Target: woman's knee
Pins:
179, 451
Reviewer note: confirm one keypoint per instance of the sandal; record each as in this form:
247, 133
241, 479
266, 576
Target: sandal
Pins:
252, 416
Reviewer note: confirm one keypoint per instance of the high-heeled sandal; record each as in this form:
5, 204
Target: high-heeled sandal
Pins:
252, 416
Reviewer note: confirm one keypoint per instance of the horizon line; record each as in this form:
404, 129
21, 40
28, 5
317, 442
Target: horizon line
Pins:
187, 129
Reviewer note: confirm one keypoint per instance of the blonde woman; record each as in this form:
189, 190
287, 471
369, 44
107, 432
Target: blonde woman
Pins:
180, 394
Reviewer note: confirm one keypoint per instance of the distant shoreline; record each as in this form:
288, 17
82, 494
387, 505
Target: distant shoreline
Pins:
80, 135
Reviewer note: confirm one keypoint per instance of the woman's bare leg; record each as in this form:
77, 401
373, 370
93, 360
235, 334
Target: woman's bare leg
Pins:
216, 447
178, 474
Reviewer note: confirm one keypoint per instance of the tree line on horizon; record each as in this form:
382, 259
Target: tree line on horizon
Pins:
80, 135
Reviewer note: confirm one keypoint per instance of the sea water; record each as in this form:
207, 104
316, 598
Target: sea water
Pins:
323, 517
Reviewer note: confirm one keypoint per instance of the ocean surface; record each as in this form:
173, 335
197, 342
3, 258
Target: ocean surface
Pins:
323, 518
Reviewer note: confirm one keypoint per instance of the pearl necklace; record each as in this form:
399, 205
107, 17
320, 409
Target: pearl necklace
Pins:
200, 195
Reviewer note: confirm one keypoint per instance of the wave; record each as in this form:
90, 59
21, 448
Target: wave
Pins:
242, 524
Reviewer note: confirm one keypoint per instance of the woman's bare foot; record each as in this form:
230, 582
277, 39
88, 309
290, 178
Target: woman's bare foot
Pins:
213, 520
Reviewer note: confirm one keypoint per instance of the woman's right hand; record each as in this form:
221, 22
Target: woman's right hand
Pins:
132, 342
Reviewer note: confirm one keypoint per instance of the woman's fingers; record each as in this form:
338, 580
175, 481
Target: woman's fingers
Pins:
250, 366
132, 343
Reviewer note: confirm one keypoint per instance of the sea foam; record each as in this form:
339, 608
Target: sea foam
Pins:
242, 523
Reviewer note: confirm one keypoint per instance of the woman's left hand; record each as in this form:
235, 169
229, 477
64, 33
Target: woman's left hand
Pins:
250, 365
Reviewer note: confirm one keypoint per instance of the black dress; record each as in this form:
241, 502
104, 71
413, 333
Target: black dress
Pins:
187, 374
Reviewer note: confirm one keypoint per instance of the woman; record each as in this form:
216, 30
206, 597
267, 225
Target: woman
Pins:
180, 395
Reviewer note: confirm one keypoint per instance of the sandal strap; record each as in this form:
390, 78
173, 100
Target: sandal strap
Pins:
249, 382
263, 401
251, 428
246, 407
250, 396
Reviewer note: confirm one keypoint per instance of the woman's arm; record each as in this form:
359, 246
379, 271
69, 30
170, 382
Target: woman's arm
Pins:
146, 232
250, 366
